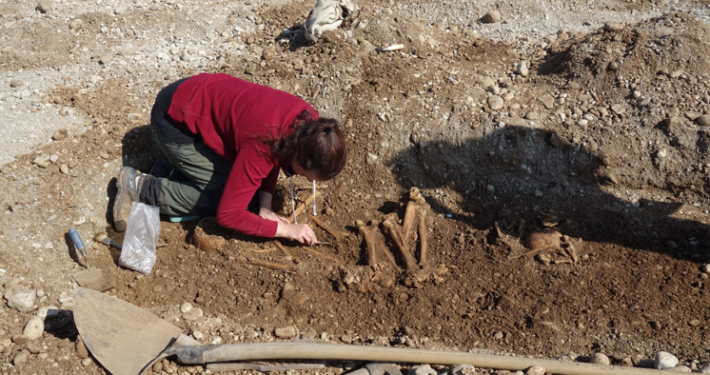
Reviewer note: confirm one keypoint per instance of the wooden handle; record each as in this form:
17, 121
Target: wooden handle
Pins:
302, 351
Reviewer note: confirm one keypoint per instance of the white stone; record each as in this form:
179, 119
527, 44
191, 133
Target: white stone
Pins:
20, 297
34, 328
187, 306
535, 370
47, 312
422, 370
495, 102
665, 360
523, 69
463, 370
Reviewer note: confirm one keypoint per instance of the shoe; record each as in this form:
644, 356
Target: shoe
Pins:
164, 169
128, 185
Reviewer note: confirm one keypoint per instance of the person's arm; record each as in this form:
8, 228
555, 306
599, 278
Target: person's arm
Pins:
245, 178
265, 209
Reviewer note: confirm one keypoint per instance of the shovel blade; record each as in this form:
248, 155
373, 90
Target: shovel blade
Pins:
123, 337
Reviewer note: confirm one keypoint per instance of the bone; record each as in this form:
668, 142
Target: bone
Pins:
369, 242
321, 224
301, 206
415, 201
283, 249
423, 242
273, 266
392, 229
318, 253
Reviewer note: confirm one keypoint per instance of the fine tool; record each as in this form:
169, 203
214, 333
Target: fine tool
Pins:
108, 241
126, 339
79, 244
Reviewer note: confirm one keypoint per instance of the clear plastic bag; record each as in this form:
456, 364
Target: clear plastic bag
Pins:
142, 233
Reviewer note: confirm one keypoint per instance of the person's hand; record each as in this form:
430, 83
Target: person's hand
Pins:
268, 214
297, 232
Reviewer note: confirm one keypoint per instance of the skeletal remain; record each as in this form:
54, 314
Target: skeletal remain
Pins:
369, 242
284, 249
392, 229
301, 206
415, 202
321, 224
423, 242
318, 253
272, 265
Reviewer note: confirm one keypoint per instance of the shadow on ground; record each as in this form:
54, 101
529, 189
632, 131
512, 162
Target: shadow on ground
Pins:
521, 173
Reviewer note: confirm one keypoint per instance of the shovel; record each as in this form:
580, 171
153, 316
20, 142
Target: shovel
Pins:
127, 340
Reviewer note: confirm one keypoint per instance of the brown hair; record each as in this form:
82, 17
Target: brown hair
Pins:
317, 145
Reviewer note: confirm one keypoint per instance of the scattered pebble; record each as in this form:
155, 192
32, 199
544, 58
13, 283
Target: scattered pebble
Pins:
76, 24
535, 370
45, 6
81, 350
492, 17
703, 120
600, 359
186, 307
421, 370
462, 370
20, 298
523, 69
495, 102
34, 328
285, 332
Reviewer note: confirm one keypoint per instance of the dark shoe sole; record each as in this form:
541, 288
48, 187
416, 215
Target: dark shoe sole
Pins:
121, 195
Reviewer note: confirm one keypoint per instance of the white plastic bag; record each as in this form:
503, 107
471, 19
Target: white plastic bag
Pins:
142, 233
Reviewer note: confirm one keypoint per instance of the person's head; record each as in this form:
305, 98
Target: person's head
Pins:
315, 147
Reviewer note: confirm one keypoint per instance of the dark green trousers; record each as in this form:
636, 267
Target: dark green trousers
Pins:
206, 175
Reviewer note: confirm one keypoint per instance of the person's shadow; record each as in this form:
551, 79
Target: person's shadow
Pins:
530, 174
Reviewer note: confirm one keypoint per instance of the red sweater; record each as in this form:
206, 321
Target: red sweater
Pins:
231, 115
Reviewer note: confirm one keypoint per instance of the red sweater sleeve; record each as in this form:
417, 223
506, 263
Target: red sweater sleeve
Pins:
250, 169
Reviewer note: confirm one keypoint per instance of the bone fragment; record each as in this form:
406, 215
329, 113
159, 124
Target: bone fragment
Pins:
423, 242
321, 224
369, 244
392, 229
301, 206
325, 256
284, 249
272, 265
415, 201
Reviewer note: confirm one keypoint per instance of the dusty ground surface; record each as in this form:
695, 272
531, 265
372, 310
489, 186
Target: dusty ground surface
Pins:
587, 121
